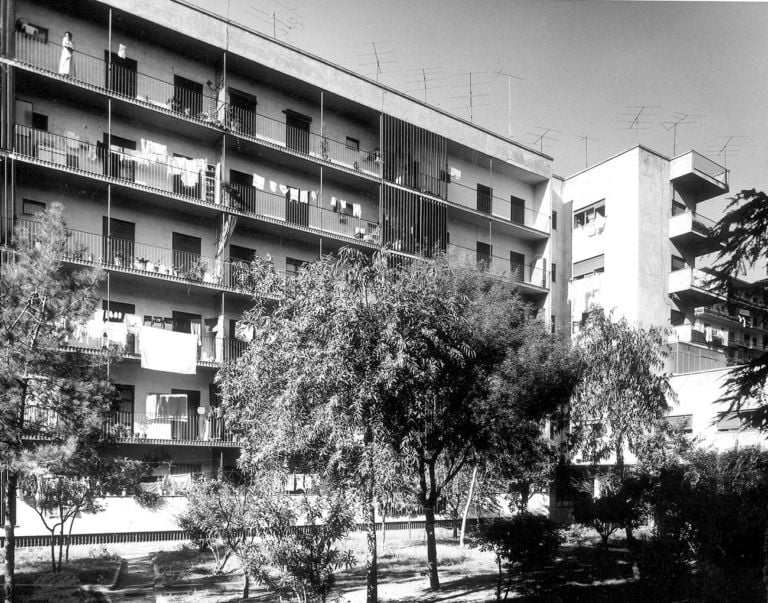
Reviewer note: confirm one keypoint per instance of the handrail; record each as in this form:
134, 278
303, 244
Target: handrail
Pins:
499, 266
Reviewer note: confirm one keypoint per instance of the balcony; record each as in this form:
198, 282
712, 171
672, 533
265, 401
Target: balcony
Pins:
173, 177
693, 287
698, 178
192, 429
523, 222
198, 106
130, 257
706, 336
276, 208
530, 280
690, 230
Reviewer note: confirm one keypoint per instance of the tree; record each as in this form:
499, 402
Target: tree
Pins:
743, 232
45, 395
623, 394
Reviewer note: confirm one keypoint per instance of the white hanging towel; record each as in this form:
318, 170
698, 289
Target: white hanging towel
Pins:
333, 202
272, 186
343, 204
258, 182
357, 210
121, 51
455, 173
168, 351
294, 194
313, 196
304, 196
283, 188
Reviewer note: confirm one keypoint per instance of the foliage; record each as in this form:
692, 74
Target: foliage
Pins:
300, 562
623, 393
258, 277
45, 395
522, 543
743, 231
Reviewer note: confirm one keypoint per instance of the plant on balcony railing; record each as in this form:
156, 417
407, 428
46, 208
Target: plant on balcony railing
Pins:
234, 195
195, 271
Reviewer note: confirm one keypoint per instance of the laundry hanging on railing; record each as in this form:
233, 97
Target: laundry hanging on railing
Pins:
168, 351
121, 51
154, 151
164, 407
258, 182
272, 186
357, 210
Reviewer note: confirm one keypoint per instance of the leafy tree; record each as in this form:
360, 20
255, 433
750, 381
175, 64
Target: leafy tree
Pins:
45, 395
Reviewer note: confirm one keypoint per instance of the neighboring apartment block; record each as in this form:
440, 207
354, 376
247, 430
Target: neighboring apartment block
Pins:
181, 145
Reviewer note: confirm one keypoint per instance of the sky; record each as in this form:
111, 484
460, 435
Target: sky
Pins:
588, 69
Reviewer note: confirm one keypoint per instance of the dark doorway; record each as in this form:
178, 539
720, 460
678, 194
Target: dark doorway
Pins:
186, 252
517, 266
187, 96
122, 78
297, 131
242, 112
517, 210
119, 242
484, 198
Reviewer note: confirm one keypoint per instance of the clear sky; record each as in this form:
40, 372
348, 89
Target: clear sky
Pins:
587, 67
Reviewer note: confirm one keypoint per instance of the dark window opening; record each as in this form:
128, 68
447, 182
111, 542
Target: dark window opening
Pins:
242, 112
554, 220
30, 208
517, 265
484, 252
186, 255
296, 212
121, 79
484, 198
297, 131
517, 210
554, 272
119, 241
187, 96
120, 165
352, 144
39, 121
678, 263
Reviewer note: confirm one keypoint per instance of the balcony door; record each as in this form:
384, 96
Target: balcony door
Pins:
297, 131
122, 409
517, 265
187, 96
483, 255
296, 212
484, 196
517, 210
121, 165
186, 252
242, 117
122, 78
242, 184
186, 427
119, 242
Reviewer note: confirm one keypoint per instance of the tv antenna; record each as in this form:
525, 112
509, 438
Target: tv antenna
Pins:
541, 137
509, 77
586, 138
379, 59
282, 18
725, 147
473, 94
635, 119
423, 77
679, 119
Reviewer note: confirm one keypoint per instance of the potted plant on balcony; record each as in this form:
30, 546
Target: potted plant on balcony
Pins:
233, 195
140, 263
196, 271
117, 259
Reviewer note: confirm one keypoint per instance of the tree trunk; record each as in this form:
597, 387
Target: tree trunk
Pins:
9, 590
466, 507
247, 587
371, 577
61, 544
429, 527
69, 535
620, 473
383, 523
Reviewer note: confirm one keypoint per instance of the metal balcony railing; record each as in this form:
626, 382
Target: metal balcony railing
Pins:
251, 200
188, 101
190, 427
469, 197
170, 264
528, 274
709, 167
172, 177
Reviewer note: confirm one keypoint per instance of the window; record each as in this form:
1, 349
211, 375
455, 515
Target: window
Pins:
588, 266
483, 253
30, 208
297, 131
678, 263
592, 214
554, 272
186, 254
242, 107
293, 266
552, 323
728, 421
122, 408
554, 220
517, 210
484, 195
116, 311
517, 265
676, 318
445, 176
353, 144
187, 96
244, 254
677, 207
32, 31
122, 77
39, 121
680, 423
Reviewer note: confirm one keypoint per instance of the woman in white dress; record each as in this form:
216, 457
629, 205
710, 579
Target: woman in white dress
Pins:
67, 49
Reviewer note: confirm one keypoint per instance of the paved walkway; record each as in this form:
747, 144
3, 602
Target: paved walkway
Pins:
136, 581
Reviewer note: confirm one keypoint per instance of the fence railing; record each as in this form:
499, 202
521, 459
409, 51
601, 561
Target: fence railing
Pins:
23, 541
251, 200
172, 176
498, 266
709, 167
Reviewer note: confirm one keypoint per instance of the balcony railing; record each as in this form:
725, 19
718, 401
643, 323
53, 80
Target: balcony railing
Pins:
188, 428
194, 104
170, 264
171, 177
527, 274
251, 200
498, 207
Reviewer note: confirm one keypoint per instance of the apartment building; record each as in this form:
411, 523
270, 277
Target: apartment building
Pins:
182, 145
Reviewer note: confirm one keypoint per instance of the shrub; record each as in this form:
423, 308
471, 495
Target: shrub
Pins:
523, 543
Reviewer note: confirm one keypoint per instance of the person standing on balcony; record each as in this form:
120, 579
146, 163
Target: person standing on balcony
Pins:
67, 50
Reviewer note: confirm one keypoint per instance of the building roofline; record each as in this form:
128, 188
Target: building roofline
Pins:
612, 157
364, 78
